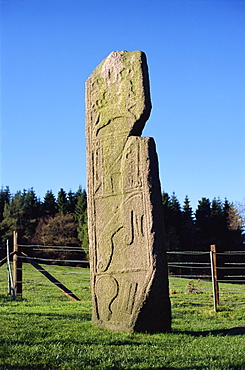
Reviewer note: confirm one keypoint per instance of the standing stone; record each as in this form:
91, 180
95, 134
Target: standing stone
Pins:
129, 276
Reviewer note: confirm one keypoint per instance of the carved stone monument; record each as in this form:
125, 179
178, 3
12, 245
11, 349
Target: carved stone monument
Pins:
129, 276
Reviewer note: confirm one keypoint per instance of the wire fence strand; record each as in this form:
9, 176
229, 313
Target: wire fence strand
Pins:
189, 278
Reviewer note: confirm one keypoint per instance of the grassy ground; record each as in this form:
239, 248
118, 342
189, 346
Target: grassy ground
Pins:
46, 330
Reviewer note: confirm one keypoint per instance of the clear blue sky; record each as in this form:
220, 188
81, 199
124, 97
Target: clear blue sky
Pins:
196, 57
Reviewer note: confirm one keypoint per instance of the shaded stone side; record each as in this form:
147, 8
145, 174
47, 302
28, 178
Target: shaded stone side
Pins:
125, 217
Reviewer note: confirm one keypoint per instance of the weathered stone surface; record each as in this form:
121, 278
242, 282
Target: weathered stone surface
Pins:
127, 253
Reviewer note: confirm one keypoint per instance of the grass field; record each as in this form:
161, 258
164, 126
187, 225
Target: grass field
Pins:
46, 330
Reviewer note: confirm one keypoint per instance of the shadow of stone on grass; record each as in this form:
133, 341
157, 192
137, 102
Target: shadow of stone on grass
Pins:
235, 330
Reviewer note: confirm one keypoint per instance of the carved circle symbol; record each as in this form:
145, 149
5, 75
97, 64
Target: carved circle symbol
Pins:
106, 290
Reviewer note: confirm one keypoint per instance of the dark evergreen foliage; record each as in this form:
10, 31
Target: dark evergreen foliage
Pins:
49, 206
187, 235
28, 215
71, 202
62, 202
215, 222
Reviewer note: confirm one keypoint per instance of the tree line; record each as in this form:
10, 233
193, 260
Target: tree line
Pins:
213, 222
53, 221
62, 221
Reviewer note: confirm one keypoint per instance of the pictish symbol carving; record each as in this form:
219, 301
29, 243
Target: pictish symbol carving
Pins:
129, 289
106, 289
132, 167
97, 160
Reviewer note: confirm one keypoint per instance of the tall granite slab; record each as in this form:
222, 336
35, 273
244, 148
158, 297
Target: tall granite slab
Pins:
129, 277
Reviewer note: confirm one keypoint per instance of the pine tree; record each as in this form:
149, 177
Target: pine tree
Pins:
31, 208
175, 213
21, 214
166, 209
175, 206
71, 202
217, 224
62, 202
49, 206
13, 216
187, 212
81, 205
202, 215
226, 232
173, 230
188, 228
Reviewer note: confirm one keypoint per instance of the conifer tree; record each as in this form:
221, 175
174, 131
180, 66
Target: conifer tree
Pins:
13, 216
174, 223
21, 214
49, 206
202, 216
175, 213
166, 207
188, 227
81, 204
62, 202
31, 209
187, 212
71, 202
217, 224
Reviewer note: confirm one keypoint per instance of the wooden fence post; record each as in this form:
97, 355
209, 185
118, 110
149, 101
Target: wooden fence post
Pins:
17, 266
10, 278
214, 274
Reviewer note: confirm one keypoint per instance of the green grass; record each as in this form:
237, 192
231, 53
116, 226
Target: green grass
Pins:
46, 330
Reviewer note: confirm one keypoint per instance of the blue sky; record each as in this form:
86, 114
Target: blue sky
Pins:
195, 51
